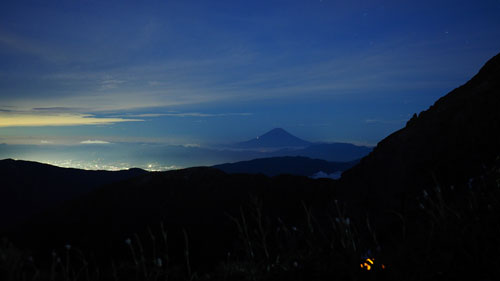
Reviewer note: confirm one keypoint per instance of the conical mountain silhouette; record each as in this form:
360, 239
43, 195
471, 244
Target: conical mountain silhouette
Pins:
276, 138
453, 141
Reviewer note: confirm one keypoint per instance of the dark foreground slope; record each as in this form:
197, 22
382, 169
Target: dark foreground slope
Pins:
453, 141
202, 224
301, 166
27, 188
199, 200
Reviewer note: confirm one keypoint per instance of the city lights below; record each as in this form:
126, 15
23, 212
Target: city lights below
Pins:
101, 165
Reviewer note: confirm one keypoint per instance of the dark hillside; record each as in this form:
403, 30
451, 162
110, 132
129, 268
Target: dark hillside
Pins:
454, 140
301, 166
196, 199
30, 187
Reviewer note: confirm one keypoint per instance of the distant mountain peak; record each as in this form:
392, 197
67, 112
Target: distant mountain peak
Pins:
277, 132
275, 138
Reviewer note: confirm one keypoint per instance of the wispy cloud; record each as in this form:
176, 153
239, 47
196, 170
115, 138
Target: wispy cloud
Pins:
190, 114
57, 109
63, 119
94, 142
111, 84
242, 76
18, 44
110, 80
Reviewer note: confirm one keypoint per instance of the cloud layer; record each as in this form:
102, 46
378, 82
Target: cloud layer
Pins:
66, 119
94, 142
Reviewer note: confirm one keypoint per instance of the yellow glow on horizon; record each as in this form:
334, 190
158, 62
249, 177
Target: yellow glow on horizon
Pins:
32, 120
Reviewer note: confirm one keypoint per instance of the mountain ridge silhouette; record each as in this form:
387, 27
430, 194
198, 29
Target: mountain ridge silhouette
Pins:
293, 165
30, 187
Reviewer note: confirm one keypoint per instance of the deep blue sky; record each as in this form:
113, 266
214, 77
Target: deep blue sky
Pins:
204, 72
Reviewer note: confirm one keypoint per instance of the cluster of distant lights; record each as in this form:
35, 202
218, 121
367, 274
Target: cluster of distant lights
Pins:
98, 165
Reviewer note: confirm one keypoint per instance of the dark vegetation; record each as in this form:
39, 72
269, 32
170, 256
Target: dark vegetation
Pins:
158, 227
424, 205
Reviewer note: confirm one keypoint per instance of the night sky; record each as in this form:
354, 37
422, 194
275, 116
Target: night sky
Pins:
209, 72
